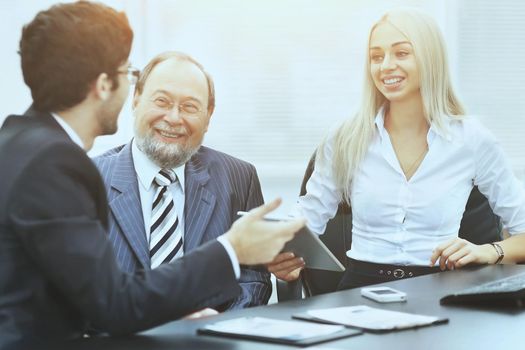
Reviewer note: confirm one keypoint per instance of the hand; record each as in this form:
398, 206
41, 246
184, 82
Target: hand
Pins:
458, 252
257, 241
201, 313
286, 266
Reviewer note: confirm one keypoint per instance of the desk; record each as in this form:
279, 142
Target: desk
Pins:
468, 328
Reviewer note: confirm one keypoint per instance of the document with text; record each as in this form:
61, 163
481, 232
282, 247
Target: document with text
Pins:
369, 318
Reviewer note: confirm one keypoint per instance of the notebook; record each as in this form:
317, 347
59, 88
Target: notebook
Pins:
509, 291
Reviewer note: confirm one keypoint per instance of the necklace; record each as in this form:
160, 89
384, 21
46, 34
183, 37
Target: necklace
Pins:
410, 170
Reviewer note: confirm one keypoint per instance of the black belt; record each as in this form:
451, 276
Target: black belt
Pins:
391, 271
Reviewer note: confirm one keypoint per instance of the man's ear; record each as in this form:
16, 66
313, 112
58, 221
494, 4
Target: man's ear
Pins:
207, 123
102, 87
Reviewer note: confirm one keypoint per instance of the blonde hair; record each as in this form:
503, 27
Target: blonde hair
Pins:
352, 139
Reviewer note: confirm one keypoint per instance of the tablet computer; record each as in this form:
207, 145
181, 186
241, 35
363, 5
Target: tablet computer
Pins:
316, 255
307, 245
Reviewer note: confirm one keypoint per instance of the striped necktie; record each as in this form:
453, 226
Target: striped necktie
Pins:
165, 235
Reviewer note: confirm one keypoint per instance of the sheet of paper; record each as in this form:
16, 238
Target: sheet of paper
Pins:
366, 317
272, 328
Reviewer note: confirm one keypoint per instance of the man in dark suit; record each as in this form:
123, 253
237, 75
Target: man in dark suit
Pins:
173, 103
58, 273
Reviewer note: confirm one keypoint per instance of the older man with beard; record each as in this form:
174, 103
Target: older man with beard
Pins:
168, 194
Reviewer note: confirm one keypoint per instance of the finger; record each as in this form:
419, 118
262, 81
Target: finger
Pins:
264, 209
454, 258
282, 257
293, 271
442, 263
467, 259
293, 275
443, 259
456, 246
287, 266
445, 255
451, 250
436, 253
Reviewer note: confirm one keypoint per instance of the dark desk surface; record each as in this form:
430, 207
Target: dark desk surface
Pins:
468, 328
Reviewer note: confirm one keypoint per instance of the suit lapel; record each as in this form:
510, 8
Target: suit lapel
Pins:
199, 203
126, 207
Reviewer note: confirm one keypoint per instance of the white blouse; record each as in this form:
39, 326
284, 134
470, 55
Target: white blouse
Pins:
396, 221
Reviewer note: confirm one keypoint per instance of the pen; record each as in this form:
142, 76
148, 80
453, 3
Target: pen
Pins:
242, 213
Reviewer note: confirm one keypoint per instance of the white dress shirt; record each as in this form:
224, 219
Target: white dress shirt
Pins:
396, 221
69, 130
146, 170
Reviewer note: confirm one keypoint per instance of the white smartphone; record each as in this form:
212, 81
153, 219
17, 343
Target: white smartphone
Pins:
384, 294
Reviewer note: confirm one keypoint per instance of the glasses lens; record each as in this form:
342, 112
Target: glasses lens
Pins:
133, 75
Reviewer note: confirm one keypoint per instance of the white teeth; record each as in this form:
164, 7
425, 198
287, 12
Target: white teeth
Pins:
167, 134
392, 81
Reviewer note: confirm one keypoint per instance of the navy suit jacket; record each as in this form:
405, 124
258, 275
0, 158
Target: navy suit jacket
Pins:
58, 271
217, 186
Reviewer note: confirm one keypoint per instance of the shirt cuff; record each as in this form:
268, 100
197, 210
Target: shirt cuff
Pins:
231, 253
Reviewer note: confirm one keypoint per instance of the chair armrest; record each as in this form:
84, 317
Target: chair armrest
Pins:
287, 291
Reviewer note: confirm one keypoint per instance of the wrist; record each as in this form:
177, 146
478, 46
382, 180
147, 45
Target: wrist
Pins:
232, 239
499, 253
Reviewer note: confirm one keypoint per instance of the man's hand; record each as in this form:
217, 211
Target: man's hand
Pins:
458, 252
201, 313
286, 266
257, 241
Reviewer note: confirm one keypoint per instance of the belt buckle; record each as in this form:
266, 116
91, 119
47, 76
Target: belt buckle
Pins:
398, 273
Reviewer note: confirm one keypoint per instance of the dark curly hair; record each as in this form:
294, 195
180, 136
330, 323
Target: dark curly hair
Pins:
65, 48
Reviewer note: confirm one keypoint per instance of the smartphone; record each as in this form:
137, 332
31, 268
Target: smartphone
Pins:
384, 294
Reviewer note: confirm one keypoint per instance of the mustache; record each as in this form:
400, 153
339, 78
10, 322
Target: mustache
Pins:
163, 126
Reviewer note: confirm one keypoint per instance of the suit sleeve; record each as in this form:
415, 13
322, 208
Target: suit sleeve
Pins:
53, 210
255, 280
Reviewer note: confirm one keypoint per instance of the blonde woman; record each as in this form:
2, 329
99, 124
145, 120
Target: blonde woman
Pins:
406, 163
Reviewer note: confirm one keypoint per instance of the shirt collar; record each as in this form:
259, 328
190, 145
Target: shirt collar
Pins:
444, 131
148, 169
69, 130
433, 131
380, 123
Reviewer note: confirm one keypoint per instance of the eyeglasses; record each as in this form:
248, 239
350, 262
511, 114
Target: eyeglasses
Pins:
132, 74
186, 109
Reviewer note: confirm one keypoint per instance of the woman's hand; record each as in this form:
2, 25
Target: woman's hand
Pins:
286, 266
459, 252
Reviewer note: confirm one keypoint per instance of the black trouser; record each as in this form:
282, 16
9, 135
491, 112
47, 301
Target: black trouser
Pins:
361, 273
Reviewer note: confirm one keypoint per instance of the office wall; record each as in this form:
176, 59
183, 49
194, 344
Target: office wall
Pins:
287, 71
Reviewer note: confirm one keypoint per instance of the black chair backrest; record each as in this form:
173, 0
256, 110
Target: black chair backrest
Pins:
479, 225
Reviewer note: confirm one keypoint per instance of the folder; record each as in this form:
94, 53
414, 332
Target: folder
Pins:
290, 332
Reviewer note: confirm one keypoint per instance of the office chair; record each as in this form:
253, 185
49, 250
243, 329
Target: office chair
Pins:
479, 225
